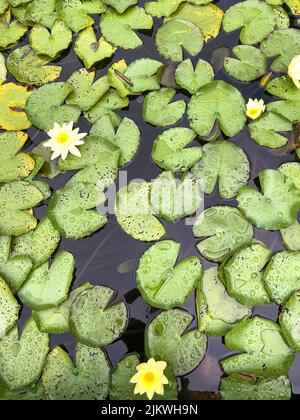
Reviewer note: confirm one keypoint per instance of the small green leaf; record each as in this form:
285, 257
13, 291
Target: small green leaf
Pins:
10, 32
289, 321
42, 12
3, 70
142, 73
111, 101
249, 65
291, 170
9, 309
288, 108
120, 5
192, 80
76, 13
291, 237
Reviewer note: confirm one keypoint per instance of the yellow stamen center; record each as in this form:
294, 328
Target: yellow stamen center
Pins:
63, 138
149, 378
253, 112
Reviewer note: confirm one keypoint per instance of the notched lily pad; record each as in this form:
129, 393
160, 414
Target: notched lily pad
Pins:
12, 107
9, 309
110, 102
193, 79
249, 65
142, 73
10, 32
76, 13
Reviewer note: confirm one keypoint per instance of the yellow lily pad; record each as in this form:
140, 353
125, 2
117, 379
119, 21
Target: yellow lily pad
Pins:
3, 71
12, 107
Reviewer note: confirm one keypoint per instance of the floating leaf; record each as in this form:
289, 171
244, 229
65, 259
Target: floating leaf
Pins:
276, 206
75, 13
264, 352
133, 212
217, 312
256, 18
289, 321
94, 320
50, 43
88, 380
120, 29
266, 131
33, 392
169, 150
91, 51
249, 65
167, 339
48, 287
284, 88
46, 106
12, 107
9, 309
27, 67
142, 74
22, 359
111, 101
158, 109
291, 170
116, 78
282, 18
243, 388
3, 5
161, 282
120, 5
216, 102
226, 231
71, 210
3, 71
192, 80
42, 12
281, 277
10, 32
243, 275
225, 164
291, 237
177, 35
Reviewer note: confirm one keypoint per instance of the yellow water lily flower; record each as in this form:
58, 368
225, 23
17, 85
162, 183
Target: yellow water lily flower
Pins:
63, 140
150, 378
255, 108
294, 70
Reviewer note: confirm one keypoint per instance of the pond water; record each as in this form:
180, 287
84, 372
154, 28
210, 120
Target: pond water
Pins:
110, 256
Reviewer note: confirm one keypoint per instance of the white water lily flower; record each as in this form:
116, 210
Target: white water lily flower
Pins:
63, 140
255, 108
294, 70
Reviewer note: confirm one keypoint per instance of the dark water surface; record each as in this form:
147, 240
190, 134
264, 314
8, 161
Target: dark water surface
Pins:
98, 258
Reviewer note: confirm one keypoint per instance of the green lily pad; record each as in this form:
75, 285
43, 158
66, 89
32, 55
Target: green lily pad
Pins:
169, 150
115, 77
88, 380
282, 18
3, 5
41, 12
22, 359
243, 275
289, 321
33, 392
267, 130
27, 67
71, 210
94, 320
167, 338
158, 109
12, 107
50, 43
243, 388
134, 214
161, 8
215, 102
122, 390
120, 5
276, 206
225, 164
9, 309
264, 352
226, 231
14, 166
178, 35
10, 32
291, 237
76, 13
249, 65
256, 18
284, 88
46, 106
56, 320
39, 244
90, 50
284, 44
3, 70
16, 198
217, 312
142, 74
111, 101
119, 29
281, 277
292, 171
43, 187
161, 282
47, 287
192, 80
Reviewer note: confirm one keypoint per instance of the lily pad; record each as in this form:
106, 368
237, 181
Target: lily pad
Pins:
264, 352
276, 206
119, 29
167, 338
291, 237
120, 5
42, 12
10, 32
9, 309
256, 18
88, 380
292, 171
48, 287
225, 164
226, 231
289, 321
217, 312
46, 106
169, 150
142, 74
51, 43
161, 282
27, 67
22, 359
243, 274
178, 35
192, 80
71, 210
111, 101
249, 65
12, 107
281, 277
94, 320
90, 50
216, 102
160, 111
3, 71
33, 392
76, 13
284, 88
134, 213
